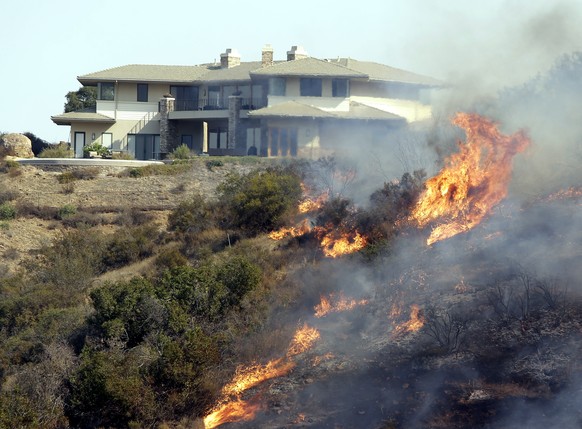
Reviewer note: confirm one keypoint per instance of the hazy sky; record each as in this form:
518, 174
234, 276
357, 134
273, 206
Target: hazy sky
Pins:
45, 45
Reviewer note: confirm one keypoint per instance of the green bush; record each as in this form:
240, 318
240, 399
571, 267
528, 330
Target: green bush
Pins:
96, 147
128, 245
258, 201
191, 216
66, 211
181, 152
214, 163
7, 211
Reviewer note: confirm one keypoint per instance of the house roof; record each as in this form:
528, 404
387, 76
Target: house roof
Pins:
382, 72
82, 115
308, 66
294, 109
212, 72
145, 73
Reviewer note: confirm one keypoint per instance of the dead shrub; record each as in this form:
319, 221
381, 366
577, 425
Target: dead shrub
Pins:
68, 188
8, 195
83, 219
86, 173
41, 212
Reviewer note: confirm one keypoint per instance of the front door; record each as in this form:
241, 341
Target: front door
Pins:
79, 143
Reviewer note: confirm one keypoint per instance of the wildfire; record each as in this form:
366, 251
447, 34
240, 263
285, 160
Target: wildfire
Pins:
336, 244
235, 411
473, 181
293, 231
335, 304
415, 322
253, 375
232, 408
302, 340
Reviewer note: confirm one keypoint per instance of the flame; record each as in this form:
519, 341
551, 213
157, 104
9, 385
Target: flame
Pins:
473, 180
334, 305
293, 231
232, 408
303, 340
312, 204
336, 244
415, 322
253, 375
572, 193
234, 411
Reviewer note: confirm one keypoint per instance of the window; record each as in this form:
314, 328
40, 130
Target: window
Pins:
142, 92
213, 98
187, 140
186, 97
310, 87
277, 86
106, 91
339, 88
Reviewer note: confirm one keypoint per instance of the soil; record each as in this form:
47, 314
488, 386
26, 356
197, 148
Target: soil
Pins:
111, 191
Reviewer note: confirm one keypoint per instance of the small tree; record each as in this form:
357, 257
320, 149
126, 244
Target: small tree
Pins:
85, 97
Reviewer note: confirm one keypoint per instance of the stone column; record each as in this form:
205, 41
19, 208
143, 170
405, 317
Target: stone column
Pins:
235, 140
168, 132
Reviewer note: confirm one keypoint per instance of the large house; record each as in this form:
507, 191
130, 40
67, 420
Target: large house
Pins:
303, 106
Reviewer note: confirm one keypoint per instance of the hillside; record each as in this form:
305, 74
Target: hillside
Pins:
129, 300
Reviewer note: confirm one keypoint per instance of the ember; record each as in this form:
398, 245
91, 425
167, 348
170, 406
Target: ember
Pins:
473, 181
335, 304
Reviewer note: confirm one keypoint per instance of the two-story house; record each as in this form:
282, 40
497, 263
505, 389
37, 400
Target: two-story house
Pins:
302, 106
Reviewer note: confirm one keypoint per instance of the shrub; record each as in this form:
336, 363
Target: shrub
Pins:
190, 216
128, 245
214, 163
66, 177
96, 147
181, 152
7, 211
66, 211
7, 195
86, 173
61, 150
258, 201
121, 155
68, 188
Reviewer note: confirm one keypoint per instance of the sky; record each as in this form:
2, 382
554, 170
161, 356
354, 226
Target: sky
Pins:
484, 46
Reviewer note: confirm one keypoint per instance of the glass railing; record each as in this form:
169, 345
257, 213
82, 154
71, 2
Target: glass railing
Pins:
206, 104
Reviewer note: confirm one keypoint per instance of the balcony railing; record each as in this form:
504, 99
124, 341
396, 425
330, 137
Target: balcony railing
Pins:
206, 104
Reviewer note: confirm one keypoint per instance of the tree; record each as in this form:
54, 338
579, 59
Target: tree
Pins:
85, 97
38, 144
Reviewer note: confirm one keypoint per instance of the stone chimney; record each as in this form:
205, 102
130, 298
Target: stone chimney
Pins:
231, 58
296, 53
267, 56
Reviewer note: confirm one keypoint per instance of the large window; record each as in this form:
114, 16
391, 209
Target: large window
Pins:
310, 87
339, 88
142, 92
106, 90
277, 86
186, 97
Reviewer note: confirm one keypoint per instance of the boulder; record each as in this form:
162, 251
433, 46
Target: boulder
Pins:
16, 145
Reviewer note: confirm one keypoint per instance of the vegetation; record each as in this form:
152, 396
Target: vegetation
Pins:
84, 98
61, 150
84, 344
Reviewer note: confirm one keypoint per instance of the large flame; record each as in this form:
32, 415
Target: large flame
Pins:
232, 408
234, 411
335, 243
474, 180
334, 304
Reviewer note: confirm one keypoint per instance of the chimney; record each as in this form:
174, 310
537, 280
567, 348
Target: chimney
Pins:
230, 58
267, 56
296, 53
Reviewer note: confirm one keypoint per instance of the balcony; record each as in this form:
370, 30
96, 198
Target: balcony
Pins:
206, 104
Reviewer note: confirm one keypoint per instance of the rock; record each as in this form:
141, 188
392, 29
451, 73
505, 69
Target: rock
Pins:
16, 145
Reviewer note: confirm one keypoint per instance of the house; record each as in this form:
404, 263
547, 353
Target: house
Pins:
302, 106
